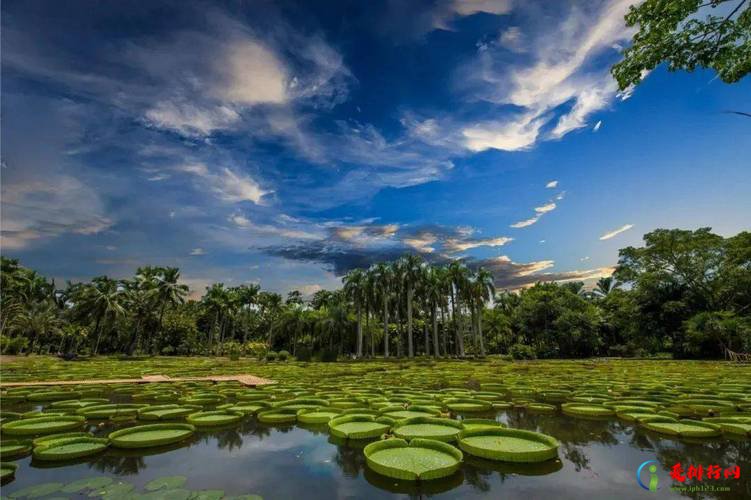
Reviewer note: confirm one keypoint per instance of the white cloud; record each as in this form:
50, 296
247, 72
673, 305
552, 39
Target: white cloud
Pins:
545, 208
253, 74
597, 126
422, 243
616, 232
552, 185
228, 185
445, 12
453, 245
240, 220
198, 251
584, 259
513, 39
48, 207
191, 120
516, 134
561, 74
526, 222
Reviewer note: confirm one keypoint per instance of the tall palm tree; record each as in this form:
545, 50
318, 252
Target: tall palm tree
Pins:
101, 300
384, 277
38, 320
434, 292
411, 272
354, 289
482, 290
457, 274
605, 286
168, 292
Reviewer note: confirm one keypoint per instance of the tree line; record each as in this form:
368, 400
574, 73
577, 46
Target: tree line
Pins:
686, 293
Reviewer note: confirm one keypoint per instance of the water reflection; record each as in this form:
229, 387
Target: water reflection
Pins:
597, 458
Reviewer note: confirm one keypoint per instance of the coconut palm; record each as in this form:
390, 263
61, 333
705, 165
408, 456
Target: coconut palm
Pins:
457, 276
605, 286
102, 300
38, 320
167, 291
411, 272
383, 278
354, 290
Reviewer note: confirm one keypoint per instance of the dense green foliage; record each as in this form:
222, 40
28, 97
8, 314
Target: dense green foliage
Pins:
687, 293
687, 34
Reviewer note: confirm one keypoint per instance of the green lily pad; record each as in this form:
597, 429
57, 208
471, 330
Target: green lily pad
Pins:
42, 425
113, 491
480, 423
144, 436
420, 459
70, 448
87, 483
587, 410
278, 416
165, 483
357, 427
12, 448
44, 440
683, 428
37, 490
509, 445
165, 412
441, 429
7, 470
214, 418
317, 416
207, 495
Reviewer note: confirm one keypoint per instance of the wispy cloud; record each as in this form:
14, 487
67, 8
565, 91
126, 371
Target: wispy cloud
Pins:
560, 74
597, 126
197, 252
616, 232
539, 211
552, 185
226, 184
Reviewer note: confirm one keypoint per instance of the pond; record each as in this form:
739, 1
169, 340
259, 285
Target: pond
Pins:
596, 456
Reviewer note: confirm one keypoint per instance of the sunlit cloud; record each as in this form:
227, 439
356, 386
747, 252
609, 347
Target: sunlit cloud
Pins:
616, 232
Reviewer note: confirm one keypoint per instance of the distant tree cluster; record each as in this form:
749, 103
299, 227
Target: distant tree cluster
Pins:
687, 293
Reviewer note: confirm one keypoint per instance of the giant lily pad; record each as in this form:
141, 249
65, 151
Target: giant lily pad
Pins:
278, 416
733, 425
165, 412
587, 410
683, 428
358, 426
509, 445
110, 410
480, 423
70, 448
42, 425
440, 429
214, 418
317, 415
7, 470
420, 459
12, 448
144, 436
468, 405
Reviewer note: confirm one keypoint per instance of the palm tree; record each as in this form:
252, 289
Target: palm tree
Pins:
605, 286
168, 292
38, 320
100, 300
481, 290
384, 277
457, 274
411, 271
216, 300
354, 289
434, 294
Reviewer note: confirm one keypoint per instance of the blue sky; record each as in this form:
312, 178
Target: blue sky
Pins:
287, 142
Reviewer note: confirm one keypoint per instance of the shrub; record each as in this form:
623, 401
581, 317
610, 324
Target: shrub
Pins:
254, 349
12, 345
522, 351
303, 354
233, 350
327, 355
270, 356
283, 355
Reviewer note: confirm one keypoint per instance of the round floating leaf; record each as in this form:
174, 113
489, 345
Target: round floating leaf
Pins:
441, 429
480, 423
357, 427
13, 448
509, 445
37, 490
7, 470
165, 412
113, 491
587, 410
420, 459
278, 416
54, 437
70, 448
683, 428
317, 416
87, 483
208, 495
214, 418
165, 483
144, 436
42, 425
